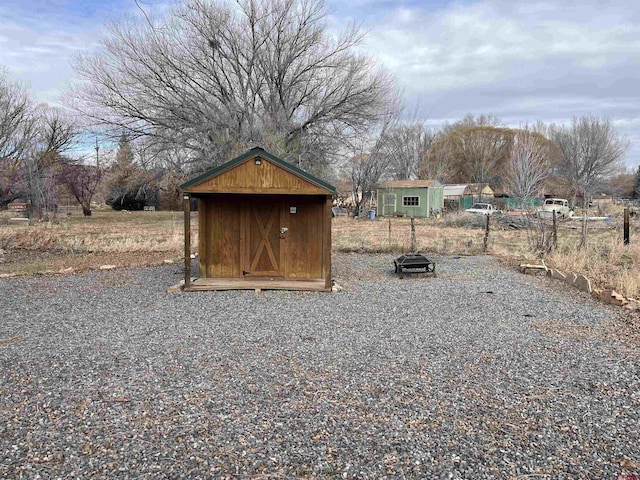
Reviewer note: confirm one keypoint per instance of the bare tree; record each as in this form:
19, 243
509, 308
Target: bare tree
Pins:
16, 118
621, 185
481, 152
477, 154
365, 168
591, 150
473, 149
82, 182
470, 120
403, 147
212, 79
439, 160
530, 162
17, 123
54, 134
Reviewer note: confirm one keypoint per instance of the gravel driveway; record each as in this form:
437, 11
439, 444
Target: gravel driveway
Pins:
480, 372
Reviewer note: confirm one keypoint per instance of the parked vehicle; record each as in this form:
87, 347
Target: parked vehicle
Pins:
483, 209
559, 205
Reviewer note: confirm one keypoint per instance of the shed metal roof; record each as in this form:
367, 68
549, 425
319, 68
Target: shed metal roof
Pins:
455, 190
460, 189
409, 184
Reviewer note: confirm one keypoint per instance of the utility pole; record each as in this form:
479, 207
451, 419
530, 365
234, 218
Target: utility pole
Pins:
97, 147
300, 150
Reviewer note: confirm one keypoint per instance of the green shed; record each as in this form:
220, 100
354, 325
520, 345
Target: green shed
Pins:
413, 198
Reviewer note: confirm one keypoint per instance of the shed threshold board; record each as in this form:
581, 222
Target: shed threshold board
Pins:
255, 283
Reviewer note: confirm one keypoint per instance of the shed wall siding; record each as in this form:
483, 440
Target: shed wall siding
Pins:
436, 199
224, 245
430, 198
220, 253
304, 239
255, 179
412, 211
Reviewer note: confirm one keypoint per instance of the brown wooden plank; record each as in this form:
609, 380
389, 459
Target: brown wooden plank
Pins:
222, 236
326, 254
259, 191
244, 228
284, 238
249, 178
234, 238
304, 237
187, 240
203, 245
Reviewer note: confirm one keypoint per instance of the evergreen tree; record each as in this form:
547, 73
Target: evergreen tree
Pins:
130, 187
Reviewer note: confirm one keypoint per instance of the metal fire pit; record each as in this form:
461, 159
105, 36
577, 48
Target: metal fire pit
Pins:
413, 261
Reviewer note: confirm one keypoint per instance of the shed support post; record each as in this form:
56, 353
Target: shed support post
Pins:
187, 240
326, 247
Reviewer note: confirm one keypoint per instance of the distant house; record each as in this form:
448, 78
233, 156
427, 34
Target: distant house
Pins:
463, 195
602, 199
413, 198
481, 191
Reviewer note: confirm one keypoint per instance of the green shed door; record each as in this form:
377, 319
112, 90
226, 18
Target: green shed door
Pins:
389, 204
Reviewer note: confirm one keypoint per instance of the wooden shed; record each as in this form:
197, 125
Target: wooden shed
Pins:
262, 224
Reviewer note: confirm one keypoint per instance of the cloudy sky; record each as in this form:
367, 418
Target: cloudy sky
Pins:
520, 61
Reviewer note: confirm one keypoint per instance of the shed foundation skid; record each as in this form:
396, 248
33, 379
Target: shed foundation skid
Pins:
207, 284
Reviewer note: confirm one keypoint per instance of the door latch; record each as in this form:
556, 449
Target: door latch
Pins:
283, 230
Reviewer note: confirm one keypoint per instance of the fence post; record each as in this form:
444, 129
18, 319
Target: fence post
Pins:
413, 235
486, 234
626, 235
389, 230
554, 242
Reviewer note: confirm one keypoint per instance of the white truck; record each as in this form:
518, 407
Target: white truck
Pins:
483, 209
559, 205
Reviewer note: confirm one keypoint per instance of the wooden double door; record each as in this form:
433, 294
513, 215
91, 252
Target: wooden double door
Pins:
280, 236
283, 236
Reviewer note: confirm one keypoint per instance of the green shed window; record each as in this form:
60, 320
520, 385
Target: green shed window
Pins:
411, 201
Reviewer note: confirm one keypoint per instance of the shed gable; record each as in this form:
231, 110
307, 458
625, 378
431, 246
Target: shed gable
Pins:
258, 172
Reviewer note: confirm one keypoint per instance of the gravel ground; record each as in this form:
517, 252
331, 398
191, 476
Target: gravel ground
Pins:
480, 372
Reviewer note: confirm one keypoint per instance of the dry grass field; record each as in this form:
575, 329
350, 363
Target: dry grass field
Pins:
134, 239
124, 239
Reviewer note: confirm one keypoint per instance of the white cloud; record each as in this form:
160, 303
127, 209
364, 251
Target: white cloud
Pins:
40, 48
480, 44
547, 60
521, 61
